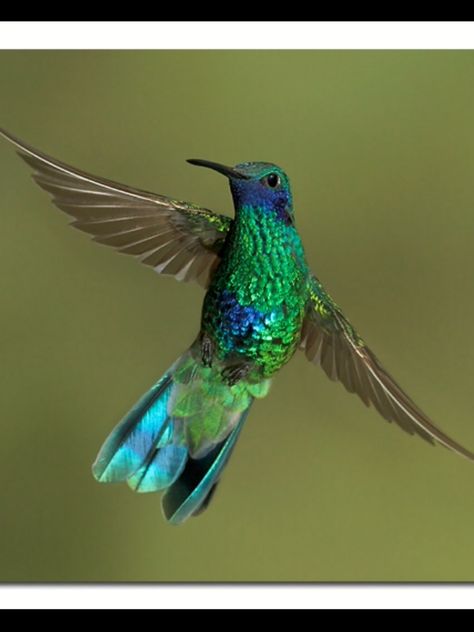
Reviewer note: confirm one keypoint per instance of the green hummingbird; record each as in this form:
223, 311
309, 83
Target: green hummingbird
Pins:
262, 303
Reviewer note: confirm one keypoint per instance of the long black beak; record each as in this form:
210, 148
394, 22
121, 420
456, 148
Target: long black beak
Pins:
230, 172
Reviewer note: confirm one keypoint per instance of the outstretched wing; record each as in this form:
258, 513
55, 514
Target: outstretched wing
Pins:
330, 341
173, 237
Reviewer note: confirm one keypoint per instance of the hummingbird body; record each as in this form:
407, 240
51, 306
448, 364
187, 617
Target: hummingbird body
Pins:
262, 304
254, 308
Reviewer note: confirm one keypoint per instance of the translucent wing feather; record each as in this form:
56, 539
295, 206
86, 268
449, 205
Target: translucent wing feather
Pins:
175, 238
329, 340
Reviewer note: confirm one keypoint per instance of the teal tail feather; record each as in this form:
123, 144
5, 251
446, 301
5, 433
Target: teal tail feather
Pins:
179, 437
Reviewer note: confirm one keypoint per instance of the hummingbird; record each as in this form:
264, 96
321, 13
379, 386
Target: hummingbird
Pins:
262, 304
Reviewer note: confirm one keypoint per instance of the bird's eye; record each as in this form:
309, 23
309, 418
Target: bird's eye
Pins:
272, 180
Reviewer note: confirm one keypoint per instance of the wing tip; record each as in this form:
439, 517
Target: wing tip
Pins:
11, 138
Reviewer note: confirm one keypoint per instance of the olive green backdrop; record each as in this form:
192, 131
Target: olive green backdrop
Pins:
380, 149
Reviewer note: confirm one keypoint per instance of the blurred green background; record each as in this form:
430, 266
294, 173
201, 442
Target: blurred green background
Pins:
380, 149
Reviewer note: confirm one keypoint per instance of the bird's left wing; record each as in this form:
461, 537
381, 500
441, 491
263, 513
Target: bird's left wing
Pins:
175, 238
329, 340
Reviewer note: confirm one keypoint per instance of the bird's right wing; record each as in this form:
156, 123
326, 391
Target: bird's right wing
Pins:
175, 238
329, 340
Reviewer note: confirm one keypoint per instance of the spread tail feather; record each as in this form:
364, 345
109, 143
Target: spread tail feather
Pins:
179, 436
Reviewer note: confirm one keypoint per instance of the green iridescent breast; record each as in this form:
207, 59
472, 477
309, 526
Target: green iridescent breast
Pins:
255, 306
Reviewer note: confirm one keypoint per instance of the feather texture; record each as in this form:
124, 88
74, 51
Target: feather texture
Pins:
136, 437
179, 435
160, 470
329, 340
173, 237
195, 487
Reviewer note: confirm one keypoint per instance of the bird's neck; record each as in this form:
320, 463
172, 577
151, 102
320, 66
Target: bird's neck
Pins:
262, 252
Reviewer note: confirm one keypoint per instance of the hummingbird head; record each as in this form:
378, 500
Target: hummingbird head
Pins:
261, 186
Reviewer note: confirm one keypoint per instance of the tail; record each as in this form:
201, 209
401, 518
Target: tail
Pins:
179, 436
